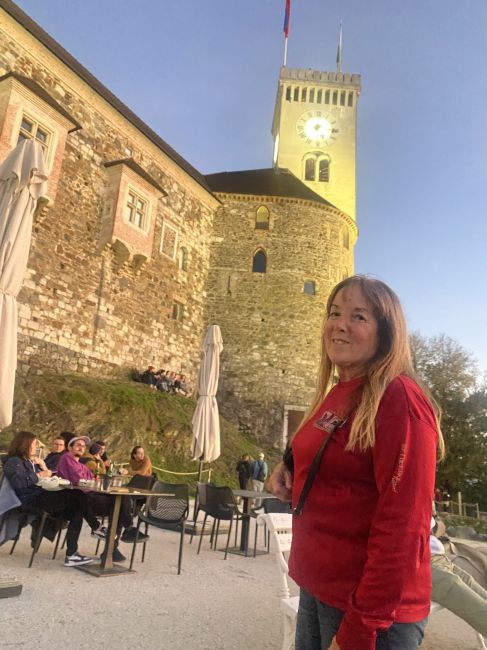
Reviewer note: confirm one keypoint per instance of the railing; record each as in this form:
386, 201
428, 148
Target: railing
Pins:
191, 481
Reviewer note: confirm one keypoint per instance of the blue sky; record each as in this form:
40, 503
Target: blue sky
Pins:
204, 76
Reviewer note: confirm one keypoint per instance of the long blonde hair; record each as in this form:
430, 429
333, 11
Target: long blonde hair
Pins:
393, 358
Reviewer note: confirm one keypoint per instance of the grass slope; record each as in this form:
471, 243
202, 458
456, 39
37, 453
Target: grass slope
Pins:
124, 414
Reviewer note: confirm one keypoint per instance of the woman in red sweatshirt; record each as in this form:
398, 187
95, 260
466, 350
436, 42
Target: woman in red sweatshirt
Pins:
360, 551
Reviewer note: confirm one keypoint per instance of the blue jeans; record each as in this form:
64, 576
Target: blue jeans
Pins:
318, 623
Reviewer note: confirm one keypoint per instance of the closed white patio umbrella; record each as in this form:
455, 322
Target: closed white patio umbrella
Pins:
206, 419
23, 180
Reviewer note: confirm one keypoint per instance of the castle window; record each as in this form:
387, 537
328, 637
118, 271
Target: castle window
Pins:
296, 94
177, 311
183, 259
350, 99
136, 210
32, 130
312, 95
259, 263
262, 218
310, 169
319, 96
288, 93
343, 95
304, 93
346, 239
169, 240
309, 288
327, 96
335, 97
324, 171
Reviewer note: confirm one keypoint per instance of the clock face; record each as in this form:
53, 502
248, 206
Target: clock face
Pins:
317, 128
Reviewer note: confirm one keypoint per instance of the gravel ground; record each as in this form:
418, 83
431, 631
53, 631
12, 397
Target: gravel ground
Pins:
213, 605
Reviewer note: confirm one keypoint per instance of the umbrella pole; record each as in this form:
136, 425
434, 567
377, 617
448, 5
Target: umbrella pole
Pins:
200, 472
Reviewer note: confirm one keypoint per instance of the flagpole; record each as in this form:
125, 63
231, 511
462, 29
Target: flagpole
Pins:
287, 16
339, 50
285, 52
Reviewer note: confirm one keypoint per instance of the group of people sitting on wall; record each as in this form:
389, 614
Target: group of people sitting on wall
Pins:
165, 381
74, 458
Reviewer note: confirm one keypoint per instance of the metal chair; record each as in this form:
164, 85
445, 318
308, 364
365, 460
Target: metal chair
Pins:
221, 505
200, 504
31, 515
167, 512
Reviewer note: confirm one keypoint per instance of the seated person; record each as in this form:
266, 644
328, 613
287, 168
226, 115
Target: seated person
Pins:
184, 388
148, 377
454, 588
20, 470
94, 503
162, 382
93, 461
140, 463
57, 450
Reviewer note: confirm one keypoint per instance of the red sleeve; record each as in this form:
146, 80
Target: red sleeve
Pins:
404, 459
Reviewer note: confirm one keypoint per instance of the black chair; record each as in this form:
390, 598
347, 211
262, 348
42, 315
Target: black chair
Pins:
168, 513
140, 483
40, 519
267, 506
221, 505
200, 504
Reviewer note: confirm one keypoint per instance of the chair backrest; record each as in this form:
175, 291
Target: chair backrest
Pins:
169, 509
220, 502
201, 489
280, 527
142, 482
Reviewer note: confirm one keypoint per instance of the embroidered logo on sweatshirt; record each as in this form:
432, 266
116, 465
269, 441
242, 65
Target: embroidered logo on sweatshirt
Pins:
329, 422
400, 468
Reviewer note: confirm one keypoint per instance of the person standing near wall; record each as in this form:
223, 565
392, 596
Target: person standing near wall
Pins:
259, 475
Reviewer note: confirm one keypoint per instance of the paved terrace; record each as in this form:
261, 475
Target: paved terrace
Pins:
213, 605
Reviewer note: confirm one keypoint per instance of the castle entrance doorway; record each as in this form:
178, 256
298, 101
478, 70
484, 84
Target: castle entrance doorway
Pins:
291, 421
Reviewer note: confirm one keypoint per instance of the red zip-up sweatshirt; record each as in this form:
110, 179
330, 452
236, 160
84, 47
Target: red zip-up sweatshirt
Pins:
361, 542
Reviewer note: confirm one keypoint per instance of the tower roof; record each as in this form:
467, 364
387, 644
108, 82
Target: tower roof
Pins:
263, 182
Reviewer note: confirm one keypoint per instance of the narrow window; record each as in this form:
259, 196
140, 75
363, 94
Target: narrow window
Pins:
177, 311
288, 93
262, 218
32, 130
259, 263
343, 96
182, 259
296, 94
136, 210
335, 97
309, 169
312, 95
304, 92
327, 96
309, 288
346, 239
350, 99
324, 171
319, 96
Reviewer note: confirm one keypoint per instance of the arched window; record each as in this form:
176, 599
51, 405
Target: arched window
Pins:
259, 263
262, 218
182, 259
310, 169
309, 288
324, 170
346, 239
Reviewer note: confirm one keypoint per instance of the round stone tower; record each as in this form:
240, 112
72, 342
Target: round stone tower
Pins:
277, 250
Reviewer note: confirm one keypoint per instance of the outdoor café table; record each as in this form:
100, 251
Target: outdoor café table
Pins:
107, 567
248, 496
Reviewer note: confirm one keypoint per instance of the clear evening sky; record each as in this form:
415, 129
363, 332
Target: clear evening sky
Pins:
203, 74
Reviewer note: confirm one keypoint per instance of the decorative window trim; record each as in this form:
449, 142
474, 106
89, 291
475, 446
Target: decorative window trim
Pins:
131, 190
166, 227
262, 221
259, 252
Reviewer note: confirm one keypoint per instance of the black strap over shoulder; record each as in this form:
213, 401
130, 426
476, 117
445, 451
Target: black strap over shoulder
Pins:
312, 474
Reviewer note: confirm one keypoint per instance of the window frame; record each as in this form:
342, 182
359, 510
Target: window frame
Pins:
146, 217
262, 225
166, 225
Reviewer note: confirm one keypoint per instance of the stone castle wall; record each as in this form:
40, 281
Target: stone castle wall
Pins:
77, 296
271, 329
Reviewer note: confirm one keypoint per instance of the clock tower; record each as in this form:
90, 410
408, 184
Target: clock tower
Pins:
314, 131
